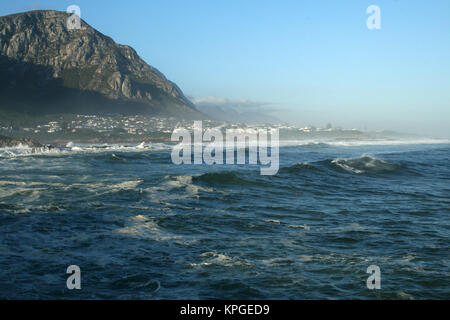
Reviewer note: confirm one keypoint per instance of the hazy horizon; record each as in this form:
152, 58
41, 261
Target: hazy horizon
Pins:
305, 63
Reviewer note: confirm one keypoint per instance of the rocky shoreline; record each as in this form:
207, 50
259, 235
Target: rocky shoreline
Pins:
7, 142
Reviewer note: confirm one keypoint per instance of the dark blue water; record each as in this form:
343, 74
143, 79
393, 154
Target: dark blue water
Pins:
140, 227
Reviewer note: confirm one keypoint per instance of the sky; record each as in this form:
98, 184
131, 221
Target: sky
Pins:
307, 62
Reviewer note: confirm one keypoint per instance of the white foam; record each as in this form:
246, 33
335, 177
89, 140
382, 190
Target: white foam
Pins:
71, 147
143, 227
365, 163
213, 258
366, 142
177, 182
127, 185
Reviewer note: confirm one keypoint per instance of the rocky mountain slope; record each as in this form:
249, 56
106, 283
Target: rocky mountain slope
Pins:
46, 68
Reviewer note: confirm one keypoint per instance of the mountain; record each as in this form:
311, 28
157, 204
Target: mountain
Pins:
47, 68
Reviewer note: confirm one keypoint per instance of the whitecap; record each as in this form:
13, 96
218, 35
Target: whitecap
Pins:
146, 228
213, 258
364, 164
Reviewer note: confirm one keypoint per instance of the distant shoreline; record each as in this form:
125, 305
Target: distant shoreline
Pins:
14, 142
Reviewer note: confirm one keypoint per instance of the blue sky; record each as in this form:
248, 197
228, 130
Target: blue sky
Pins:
314, 62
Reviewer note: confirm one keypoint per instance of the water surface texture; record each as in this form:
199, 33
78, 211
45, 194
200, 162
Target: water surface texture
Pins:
141, 227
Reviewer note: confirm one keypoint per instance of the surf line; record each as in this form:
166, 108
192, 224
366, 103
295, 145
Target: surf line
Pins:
235, 144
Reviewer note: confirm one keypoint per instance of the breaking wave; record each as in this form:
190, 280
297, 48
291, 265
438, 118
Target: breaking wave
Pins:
25, 150
361, 165
72, 148
366, 164
213, 258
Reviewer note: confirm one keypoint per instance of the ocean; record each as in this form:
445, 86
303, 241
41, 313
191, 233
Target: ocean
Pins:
140, 227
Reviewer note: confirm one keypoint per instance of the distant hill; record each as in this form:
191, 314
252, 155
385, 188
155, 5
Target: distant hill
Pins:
227, 113
45, 68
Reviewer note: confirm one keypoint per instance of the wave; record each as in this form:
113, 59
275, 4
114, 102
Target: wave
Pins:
223, 177
298, 167
386, 142
213, 258
317, 144
115, 147
72, 148
25, 150
365, 164
175, 188
143, 227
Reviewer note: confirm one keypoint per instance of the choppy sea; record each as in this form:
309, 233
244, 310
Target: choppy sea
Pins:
140, 227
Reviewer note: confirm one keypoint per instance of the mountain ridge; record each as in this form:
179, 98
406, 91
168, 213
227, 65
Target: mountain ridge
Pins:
48, 68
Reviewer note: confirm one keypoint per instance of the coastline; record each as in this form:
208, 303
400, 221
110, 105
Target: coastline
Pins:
9, 142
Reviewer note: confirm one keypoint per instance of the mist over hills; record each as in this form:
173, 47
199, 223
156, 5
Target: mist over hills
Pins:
46, 68
237, 110
230, 114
